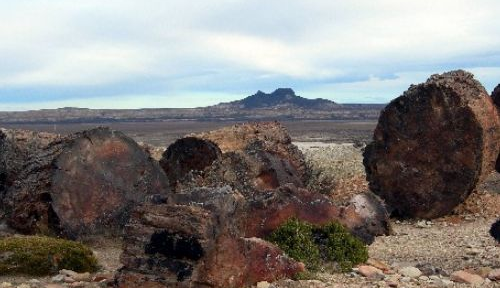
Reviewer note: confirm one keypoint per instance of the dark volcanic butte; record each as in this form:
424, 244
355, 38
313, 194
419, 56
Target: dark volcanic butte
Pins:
281, 97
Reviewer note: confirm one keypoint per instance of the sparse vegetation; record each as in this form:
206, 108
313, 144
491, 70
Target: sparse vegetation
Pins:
297, 240
313, 245
36, 255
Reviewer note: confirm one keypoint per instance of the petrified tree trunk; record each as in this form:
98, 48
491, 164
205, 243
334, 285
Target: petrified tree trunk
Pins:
16, 146
85, 183
188, 246
273, 139
495, 95
186, 155
433, 145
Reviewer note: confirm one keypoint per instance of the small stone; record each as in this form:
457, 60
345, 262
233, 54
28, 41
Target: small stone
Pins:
58, 278
392, 283
100, 277
34, 281
465, 277
68, 279
66, 272
378, 264
423, 278
263, 284
77, 284
82, 277
411, 272
482, 271
23, 286
371, 272
405, 279
494, 275
6, 285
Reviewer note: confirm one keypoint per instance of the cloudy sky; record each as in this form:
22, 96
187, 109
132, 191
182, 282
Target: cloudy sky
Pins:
179, 53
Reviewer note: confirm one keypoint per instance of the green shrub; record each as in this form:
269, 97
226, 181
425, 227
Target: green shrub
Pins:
296, 239
313, 245
35, 255
341, 247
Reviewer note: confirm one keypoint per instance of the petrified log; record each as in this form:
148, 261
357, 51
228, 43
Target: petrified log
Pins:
495, 95
188, 246
85, 183
187, 155
495, 230
273, 138
16, 147
433, 145
261, 214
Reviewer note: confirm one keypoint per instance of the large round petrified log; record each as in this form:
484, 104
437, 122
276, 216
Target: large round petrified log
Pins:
186, 155
433, 145
85, 183
273, 136
16, 146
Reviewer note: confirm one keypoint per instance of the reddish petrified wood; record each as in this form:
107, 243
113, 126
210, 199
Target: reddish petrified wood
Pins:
272, 137
189, 246
187, 155
85, 183
433, 145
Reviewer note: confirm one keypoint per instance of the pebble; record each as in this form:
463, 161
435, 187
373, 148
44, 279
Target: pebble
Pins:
263, 284
494, 275
371, 272
6, 285
24, 286
58, 278
466, 277
411, 272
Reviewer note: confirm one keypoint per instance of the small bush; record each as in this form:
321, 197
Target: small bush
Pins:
313, 245
34, 255
296, 239
341, 247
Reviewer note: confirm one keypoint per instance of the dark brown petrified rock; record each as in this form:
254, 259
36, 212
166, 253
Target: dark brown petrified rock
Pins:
187, 155
189, 246
85, 183
272, 136
16, 147
495, 95
433, 145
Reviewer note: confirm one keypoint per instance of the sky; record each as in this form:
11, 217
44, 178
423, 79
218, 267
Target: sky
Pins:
179, 53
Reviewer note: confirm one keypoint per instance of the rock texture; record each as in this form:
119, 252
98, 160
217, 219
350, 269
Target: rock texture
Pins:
189, 246
16, 147
271, 137
433, 145
187, 155
85, 183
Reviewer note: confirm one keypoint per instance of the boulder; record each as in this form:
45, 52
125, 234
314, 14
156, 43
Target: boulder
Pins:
433, 145
272, 136
188, 246
85, 183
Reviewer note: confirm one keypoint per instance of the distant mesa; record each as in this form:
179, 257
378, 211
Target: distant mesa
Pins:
280, 98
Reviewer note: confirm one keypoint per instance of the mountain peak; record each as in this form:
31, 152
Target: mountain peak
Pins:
281, 98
